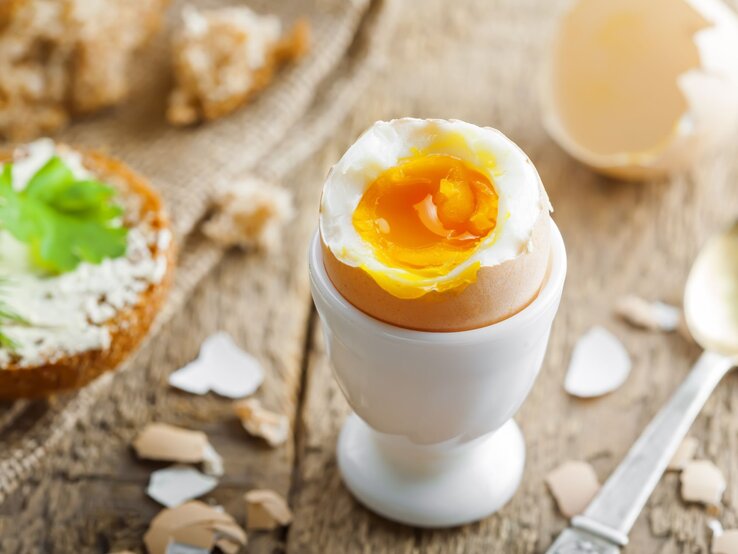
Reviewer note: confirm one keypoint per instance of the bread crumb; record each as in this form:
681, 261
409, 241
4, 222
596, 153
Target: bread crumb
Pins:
221, 56
67, 57
250, 214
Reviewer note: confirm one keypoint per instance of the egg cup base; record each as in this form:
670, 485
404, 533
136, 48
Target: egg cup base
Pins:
423, 486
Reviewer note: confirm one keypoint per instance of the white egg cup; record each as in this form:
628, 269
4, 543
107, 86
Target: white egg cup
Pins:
433, 442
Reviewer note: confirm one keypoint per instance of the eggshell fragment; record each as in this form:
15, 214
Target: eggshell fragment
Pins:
179, 548
639, 89
655, 316
177, 484
260, 422
265, 509
228, 547
169, 443
498, 292
725, 543
212, 462
599, 365
195, 538
230, 531
683, 455
702, 482
194, 521
221, 367
164, 442
715, 526
573, 485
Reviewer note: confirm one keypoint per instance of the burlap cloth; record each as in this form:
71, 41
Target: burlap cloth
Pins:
283, 126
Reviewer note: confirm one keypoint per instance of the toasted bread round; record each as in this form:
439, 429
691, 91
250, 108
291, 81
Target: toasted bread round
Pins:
127, 327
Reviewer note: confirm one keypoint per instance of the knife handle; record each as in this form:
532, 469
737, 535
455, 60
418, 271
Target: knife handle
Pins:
615, 508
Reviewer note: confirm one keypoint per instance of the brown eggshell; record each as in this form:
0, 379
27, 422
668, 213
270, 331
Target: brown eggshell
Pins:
623, 119
498, 293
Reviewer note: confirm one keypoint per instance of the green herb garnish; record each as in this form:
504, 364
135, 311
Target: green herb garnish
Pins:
63, 220
7, 342
8, 316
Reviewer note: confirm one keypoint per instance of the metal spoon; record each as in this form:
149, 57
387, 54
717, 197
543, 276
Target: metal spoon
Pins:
711, 311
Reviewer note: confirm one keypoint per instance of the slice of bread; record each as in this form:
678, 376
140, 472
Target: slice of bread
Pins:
128, 326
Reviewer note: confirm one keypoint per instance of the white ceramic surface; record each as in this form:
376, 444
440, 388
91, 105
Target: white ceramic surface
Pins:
433, 402
427, 487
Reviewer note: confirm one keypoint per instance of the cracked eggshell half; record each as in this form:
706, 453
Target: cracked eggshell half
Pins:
636, 89
506, 269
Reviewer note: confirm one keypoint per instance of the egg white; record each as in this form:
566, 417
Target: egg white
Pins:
522, 197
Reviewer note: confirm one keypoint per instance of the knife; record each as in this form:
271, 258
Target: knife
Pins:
603, 527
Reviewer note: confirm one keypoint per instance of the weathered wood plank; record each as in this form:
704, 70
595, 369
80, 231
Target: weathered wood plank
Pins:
482, 60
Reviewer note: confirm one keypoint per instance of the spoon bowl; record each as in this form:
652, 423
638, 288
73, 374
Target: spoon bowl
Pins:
711, 295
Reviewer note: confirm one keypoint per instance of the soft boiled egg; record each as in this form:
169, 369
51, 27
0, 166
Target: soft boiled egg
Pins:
640, 88
435, 225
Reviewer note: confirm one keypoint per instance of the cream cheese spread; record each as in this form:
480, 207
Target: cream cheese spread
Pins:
66, 314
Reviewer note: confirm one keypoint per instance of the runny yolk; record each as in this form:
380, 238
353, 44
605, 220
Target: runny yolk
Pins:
427, 214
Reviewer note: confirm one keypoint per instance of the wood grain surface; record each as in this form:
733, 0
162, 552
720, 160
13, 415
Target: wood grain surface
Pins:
474, 60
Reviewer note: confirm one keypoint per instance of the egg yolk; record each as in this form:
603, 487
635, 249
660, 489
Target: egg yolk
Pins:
427, 214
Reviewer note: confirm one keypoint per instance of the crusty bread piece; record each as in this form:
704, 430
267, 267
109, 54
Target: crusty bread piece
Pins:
214, 65
67, 57
127, 328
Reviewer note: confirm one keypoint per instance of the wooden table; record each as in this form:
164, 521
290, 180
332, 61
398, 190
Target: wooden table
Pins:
476, 61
